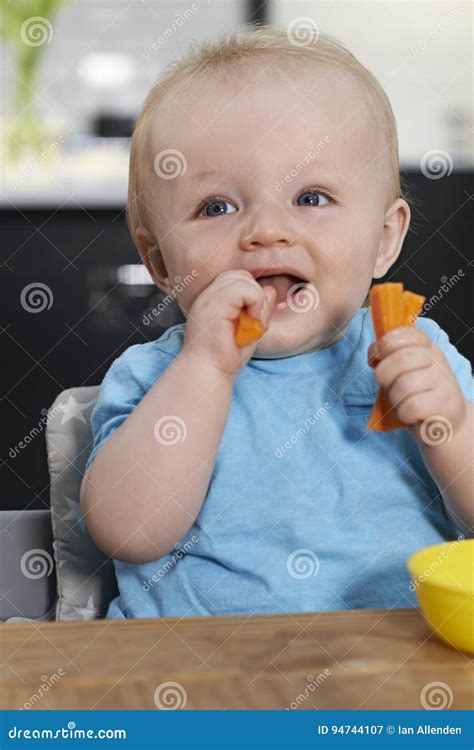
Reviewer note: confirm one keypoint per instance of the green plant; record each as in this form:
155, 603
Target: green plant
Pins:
26, 26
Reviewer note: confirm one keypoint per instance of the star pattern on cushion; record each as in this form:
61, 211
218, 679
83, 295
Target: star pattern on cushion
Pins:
89, 612
73, 513
73, 409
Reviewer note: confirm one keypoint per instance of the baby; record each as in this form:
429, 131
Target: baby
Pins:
264, 177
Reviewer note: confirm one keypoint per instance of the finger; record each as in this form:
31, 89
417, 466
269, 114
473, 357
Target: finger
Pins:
419, 407
259, 308
231, 278
238, 273
402, 360
411, 383
234, 277
256, 309
244, 293
395, 339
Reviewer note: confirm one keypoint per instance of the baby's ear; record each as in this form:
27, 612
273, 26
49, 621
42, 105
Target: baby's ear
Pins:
396, 223
152, 258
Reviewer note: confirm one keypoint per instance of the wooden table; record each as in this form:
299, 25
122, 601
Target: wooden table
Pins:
361, 659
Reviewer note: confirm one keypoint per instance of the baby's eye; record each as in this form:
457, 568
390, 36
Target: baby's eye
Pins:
313, 198
216, 208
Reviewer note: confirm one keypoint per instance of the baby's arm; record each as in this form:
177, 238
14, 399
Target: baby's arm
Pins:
426, 395
141, 495
451, 465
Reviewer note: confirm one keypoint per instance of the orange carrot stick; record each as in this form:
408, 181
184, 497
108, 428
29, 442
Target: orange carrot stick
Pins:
248, 329
383, 417
412, 306
386, 306
391, 307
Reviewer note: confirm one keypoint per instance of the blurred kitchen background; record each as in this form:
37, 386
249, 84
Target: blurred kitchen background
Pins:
73, 78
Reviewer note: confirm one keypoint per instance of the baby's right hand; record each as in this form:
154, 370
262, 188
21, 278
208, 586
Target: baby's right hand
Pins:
212, 319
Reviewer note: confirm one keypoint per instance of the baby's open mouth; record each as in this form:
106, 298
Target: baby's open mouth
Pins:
286, 286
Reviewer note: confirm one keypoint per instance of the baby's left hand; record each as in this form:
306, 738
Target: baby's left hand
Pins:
417, 377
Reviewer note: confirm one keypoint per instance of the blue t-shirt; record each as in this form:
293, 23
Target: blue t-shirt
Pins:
306, 510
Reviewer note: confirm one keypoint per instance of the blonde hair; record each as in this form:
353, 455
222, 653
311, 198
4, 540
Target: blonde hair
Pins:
234, 52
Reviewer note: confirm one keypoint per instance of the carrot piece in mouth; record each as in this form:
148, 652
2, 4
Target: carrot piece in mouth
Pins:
248, 329
391, 307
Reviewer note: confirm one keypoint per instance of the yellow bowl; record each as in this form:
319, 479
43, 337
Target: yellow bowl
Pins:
443, 578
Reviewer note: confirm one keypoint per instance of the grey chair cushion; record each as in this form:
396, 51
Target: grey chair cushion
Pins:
85, 576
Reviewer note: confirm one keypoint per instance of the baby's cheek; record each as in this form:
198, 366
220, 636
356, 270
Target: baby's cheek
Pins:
189, 285
358, 266
361, 250
348, 283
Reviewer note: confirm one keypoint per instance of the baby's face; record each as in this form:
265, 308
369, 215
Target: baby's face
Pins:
278, 174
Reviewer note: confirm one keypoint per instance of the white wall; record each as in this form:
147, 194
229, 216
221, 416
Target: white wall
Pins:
421, 52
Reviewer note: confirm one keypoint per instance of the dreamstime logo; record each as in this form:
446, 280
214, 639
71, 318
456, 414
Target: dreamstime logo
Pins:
435, 564
302, 563
302, 31
302, 297
170, 430
301, 431
446, 285
170, 696
36, 31
177, 555
436, 164
47, 151
436, 696
36, 297
312, 684
168, 33
46, 683
439, 28
299, 166
37, 430
170, 163
436, 430
179, 285
36, 563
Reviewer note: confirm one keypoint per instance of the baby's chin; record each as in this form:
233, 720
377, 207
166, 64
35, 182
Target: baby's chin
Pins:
288, 338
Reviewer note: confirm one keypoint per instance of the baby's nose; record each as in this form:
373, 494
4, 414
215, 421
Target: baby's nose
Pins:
267, 226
